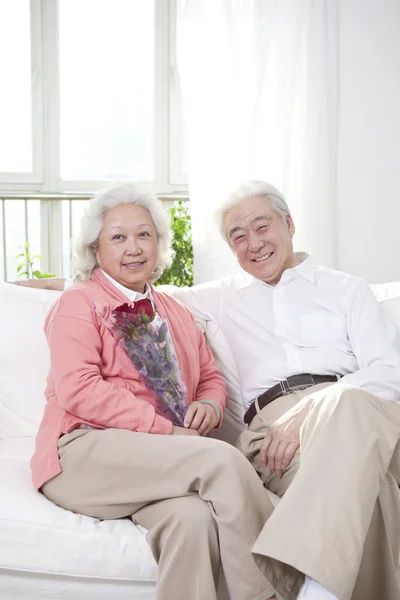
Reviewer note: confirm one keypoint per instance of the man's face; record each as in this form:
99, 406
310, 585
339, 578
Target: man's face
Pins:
261, 239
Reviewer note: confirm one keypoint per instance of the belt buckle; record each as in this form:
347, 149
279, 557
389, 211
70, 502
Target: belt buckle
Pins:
285, 387
292, 385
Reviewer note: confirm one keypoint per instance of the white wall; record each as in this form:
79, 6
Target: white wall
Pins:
368, 167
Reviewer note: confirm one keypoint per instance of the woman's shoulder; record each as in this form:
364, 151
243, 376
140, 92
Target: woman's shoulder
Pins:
78, 300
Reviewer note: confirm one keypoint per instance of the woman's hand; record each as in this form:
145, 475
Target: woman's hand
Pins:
183, 431
201, 418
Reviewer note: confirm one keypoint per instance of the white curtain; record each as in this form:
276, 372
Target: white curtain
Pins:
258, 82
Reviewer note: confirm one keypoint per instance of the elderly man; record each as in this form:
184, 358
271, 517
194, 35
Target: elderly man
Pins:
319, 368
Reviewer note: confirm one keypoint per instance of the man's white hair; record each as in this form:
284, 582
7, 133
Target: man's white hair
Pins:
87, 240
251, 189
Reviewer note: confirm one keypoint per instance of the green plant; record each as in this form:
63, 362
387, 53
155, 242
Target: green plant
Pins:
26, 268
181, 271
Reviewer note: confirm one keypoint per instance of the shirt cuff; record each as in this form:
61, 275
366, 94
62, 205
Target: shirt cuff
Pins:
214, 406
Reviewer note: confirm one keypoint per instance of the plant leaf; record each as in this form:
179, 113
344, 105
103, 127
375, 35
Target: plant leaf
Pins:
40, 275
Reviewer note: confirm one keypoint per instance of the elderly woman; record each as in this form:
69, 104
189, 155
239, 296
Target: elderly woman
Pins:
131, 394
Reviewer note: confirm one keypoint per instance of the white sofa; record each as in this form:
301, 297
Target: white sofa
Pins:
45, 551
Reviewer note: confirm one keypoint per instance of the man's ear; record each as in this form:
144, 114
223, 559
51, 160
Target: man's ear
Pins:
290, 225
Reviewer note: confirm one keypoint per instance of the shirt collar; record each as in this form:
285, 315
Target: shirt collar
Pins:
130, 294
306, 269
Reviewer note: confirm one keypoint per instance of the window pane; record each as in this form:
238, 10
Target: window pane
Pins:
106, 89
15, 96
22, 224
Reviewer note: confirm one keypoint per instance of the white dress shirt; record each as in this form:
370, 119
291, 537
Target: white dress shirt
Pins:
315, 320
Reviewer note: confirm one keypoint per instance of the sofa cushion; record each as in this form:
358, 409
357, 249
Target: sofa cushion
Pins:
388, 296
38, 536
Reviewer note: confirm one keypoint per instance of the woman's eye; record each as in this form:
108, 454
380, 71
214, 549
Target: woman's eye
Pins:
144, 234
117, 236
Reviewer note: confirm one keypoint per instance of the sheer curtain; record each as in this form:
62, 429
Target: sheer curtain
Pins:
258, 81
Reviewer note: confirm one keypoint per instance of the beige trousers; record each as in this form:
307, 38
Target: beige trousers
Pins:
339, 517
200, 499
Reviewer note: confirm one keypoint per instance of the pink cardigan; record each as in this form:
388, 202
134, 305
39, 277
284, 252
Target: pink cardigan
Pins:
93, 381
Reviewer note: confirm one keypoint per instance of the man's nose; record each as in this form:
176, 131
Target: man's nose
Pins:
255, 243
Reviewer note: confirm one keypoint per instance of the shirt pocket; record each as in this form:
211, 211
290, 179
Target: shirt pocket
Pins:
321, 330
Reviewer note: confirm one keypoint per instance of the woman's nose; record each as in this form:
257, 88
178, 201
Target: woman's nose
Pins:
133, 247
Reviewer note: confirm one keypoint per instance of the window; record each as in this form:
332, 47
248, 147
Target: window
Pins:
107, 89
91, 95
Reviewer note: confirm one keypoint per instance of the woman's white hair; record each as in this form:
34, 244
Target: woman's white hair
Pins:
251, 189
86, 242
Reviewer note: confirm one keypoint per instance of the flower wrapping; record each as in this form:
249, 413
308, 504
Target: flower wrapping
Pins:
147, 341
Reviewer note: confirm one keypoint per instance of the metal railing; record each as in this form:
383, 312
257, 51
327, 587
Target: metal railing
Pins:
45, 221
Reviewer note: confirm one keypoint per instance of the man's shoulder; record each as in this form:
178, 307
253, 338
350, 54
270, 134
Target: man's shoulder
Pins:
325, 275
342, 286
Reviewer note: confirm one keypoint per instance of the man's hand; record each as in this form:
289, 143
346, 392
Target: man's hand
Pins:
283, 438
47, 283
201, 417
183, 431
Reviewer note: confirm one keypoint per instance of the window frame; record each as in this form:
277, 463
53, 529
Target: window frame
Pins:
46, 172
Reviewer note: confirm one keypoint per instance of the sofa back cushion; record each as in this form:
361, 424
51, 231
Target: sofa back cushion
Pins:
24, 358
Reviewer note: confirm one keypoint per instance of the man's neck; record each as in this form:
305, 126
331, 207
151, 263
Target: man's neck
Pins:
295, 260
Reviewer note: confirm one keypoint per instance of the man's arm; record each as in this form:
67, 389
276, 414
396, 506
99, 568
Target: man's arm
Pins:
202, 300
47, 283
375, 345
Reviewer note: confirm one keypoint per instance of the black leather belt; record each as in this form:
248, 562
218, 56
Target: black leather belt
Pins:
287, 386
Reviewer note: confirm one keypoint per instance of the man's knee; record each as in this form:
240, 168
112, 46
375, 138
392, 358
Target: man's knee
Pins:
344, 398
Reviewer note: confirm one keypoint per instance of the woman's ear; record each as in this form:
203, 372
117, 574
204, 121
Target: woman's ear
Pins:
96, 253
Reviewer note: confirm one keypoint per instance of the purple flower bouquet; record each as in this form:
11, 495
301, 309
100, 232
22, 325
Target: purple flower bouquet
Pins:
147, 341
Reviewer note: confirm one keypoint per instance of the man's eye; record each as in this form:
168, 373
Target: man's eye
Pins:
262, 228
238, 238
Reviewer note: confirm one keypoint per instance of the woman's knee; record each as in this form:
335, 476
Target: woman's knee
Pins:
185, 518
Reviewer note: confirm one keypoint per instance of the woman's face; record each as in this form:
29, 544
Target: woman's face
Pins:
127, 249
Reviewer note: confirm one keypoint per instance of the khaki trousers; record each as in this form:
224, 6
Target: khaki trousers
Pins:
339, 517
199, 498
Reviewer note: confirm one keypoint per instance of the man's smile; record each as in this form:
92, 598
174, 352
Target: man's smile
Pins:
264, 257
